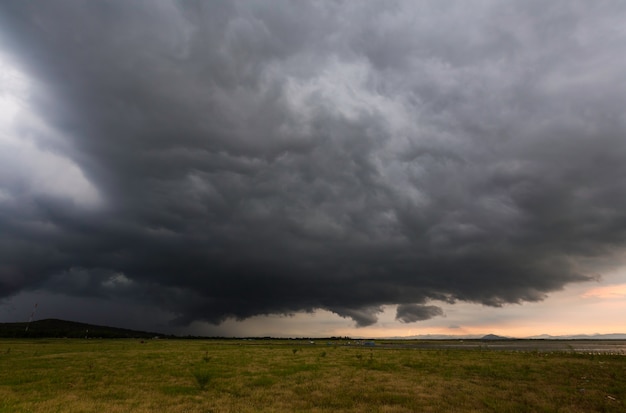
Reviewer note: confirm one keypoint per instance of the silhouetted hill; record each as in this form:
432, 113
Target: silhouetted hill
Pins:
494, 337
69, 329
614, 336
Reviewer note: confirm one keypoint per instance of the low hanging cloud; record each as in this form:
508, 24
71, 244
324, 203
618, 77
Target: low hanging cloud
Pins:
409, 313
232, 159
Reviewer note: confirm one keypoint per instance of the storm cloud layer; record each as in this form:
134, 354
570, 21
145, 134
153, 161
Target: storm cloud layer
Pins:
232, 159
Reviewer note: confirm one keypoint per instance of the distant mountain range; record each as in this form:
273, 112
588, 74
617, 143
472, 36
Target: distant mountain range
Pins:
61, 328
615, 336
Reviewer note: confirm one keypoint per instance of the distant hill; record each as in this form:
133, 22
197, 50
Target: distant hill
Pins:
616, 336
494, 337
61, 328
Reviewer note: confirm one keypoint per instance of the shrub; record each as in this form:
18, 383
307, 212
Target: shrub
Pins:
202, 378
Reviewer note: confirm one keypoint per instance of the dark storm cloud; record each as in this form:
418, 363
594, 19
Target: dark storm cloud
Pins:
252, 158
409, 313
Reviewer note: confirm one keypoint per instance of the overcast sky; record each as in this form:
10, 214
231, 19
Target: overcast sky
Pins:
293, 168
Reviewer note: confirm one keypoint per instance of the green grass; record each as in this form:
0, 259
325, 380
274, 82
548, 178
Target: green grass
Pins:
73, 375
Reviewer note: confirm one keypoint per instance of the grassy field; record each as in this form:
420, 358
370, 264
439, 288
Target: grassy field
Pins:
73, 375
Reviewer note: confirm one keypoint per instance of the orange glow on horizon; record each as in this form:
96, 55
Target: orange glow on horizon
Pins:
608, 292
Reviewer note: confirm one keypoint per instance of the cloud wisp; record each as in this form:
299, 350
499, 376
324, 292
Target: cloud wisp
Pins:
226, 160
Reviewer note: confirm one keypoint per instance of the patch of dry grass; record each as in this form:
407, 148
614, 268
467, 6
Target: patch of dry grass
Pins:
268, 376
